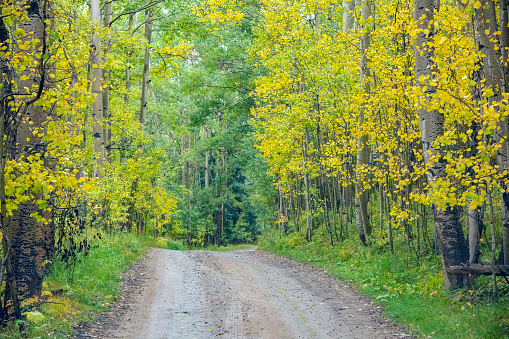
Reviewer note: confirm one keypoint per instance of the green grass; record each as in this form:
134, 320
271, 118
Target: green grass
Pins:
411, 293
171, 244
229, 247
93, 289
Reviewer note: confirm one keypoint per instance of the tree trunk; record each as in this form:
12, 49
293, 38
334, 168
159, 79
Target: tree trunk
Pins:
474, 220
128, 64
97, 105
493, 248
146, 67
504, 47
106, 90
28, 242
496, 77
307, 196
361, 195
388, 212
348, 7
449, 231
207, 155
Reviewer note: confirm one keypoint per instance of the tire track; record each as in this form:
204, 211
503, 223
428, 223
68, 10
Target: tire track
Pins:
242, 294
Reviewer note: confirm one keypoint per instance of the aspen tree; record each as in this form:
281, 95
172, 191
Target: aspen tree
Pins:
348, 8
97, 106
128, 63
449, 230
504, 47
108, 7
207, 155
307, 194
27, 241
495, 70
361, 193
146, 67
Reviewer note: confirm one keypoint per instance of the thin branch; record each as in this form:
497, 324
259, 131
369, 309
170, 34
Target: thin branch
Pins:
135, 11
4, 262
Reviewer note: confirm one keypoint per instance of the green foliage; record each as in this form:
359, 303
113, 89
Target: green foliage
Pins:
207, 111
230, 248
171, 244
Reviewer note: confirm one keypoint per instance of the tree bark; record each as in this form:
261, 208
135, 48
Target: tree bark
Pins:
451, 240
504, 47
307, 197
27, 243
361, 195
496, 77
128, 64
207, 155
146, 67
106, 91
348, 8
97, 105
501, 270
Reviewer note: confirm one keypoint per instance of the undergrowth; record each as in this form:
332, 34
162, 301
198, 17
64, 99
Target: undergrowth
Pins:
410, 291
229, 247
92, 288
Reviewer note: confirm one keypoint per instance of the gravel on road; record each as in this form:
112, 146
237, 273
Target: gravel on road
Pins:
238, 294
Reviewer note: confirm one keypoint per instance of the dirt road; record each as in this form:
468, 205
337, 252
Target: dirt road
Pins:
240, 294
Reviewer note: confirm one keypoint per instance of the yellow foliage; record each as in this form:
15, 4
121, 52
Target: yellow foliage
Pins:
311, 106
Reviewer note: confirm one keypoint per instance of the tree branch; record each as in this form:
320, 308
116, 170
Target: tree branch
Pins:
136, 11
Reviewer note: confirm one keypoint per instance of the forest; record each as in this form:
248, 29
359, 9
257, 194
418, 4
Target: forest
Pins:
223, 122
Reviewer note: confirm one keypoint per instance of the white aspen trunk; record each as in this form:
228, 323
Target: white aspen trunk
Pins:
280, 208
493, 248
361, 195
504, 47
128, 64
449, 231
348, 8
207, 155
184, 163
474, 217
146, 67
106, 91
381, 206
307, 195
97, 106
123, 142
496, 76
504, 41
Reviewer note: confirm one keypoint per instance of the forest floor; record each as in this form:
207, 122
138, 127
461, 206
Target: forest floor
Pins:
238, 294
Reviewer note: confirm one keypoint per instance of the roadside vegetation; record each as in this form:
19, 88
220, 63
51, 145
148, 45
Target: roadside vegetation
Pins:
75, 295
230, 247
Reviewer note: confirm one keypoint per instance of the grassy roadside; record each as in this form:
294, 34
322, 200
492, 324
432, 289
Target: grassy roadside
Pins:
93, 288
410, 293
177, 245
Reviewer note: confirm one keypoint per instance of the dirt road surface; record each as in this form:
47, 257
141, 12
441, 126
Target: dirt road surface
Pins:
240, 294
